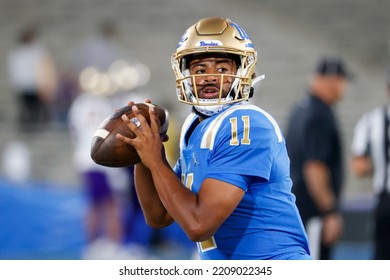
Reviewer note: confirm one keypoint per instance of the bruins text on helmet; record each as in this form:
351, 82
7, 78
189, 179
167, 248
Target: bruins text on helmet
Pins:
220, 36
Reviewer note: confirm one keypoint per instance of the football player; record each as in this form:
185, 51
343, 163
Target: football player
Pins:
230, 190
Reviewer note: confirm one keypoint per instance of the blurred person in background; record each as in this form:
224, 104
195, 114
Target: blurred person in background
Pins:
99, 51
112, 213
370, 157
33, 77
101, 72
103, 79
103, 214
315, 149
102, 55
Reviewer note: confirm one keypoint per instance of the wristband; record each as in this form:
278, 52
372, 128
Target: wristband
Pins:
329, 211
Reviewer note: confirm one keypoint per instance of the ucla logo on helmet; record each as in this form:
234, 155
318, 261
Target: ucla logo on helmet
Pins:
209, 43
241, 31
243, 35
183, 38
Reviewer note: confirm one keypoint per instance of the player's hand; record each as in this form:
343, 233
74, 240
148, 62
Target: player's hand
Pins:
131, 103
332, 228
147, 141
164, 138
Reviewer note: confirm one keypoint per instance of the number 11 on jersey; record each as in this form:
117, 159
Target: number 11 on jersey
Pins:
234, 131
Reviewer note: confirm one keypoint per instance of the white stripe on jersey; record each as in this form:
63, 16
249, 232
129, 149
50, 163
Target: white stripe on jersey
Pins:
210, 134
186, 125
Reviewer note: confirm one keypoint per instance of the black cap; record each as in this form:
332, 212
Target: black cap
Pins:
333, 66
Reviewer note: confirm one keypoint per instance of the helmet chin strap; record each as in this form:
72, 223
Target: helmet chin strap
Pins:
195, 110
209, 110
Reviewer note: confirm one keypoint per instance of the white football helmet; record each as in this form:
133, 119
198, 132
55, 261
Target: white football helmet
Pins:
221, 36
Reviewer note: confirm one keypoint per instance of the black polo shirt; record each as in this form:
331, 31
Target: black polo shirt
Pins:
313, 134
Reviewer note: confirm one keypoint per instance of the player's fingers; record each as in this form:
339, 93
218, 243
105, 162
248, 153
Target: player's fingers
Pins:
154, 121
130, 103
139, 118
133, 124
148, 100
123, 138
128, 141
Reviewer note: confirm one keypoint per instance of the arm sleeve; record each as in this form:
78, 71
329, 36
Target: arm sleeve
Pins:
360, 140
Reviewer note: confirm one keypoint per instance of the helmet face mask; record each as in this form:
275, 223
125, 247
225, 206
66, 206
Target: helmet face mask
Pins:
214, 37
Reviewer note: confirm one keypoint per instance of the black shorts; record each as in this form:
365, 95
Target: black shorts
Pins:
382, 228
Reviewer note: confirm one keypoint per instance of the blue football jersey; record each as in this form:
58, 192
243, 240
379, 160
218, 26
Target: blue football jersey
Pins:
244, 146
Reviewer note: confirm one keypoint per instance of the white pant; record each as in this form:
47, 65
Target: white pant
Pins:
313, 229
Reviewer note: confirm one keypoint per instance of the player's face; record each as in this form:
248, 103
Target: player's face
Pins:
333, 87
209, 83
337, 86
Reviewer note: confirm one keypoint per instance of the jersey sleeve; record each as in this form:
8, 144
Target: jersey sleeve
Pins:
360, 140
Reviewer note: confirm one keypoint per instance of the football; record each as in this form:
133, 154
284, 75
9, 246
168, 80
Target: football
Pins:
107, 150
